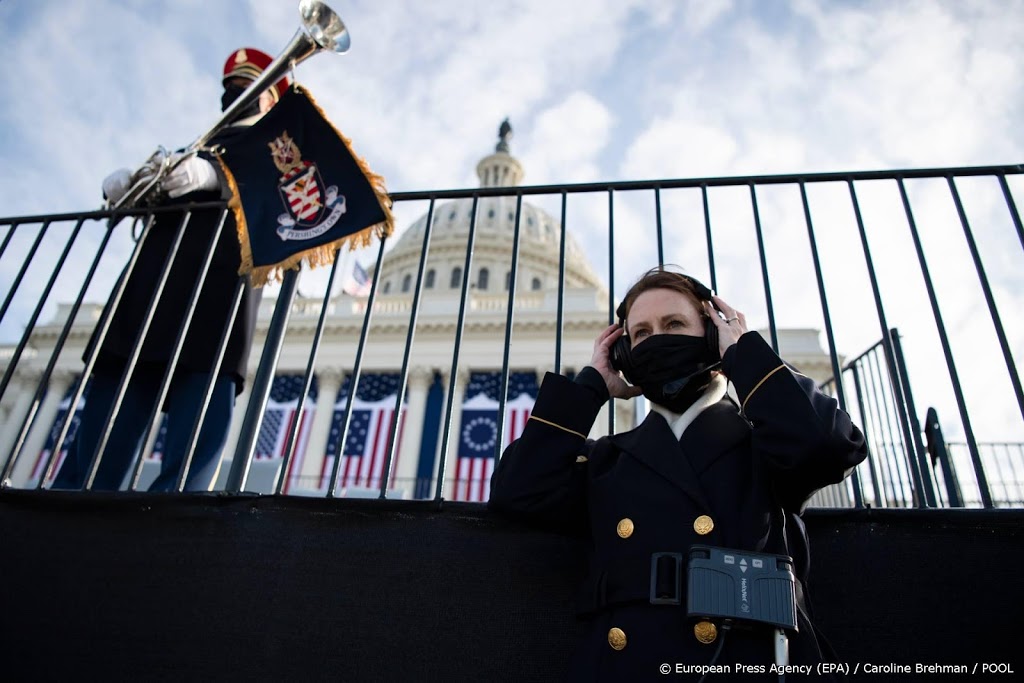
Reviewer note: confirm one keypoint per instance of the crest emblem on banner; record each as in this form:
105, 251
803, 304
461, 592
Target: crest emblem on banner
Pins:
311, 208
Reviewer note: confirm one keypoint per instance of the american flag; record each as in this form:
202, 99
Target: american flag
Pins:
373, 410
281, 413
51, 438
358, 281
478, 434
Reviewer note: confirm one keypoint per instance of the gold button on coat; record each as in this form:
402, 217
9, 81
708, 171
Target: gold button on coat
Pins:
624, 528
704, 631
703, 525
617, 638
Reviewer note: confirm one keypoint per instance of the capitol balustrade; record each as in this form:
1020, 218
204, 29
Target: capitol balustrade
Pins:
863, 251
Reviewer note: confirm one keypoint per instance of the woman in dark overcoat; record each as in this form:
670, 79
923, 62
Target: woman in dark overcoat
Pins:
700, 470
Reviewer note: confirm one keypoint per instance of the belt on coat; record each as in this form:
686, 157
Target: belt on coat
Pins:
658, 579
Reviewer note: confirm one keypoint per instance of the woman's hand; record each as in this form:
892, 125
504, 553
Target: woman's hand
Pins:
730, 328
601, 361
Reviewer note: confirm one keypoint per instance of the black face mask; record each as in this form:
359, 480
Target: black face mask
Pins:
672, 369
232, 91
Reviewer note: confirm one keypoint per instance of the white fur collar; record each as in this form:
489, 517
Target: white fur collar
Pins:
679, 422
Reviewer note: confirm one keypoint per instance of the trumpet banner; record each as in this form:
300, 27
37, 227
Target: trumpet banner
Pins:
298, 191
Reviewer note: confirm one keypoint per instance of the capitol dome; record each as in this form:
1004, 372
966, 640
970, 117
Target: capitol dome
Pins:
539, 241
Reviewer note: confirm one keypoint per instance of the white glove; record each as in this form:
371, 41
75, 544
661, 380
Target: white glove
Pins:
116, 184
190, 175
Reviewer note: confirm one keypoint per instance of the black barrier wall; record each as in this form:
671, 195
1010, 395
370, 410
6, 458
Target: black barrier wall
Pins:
214, 588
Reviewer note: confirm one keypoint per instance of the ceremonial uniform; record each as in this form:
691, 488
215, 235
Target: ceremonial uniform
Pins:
737, 478
215, 301
205, 333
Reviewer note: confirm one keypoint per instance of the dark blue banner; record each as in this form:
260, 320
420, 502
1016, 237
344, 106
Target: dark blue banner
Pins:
300, 193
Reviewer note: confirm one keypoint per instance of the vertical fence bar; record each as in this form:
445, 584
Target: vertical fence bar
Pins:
707, 234
292, 439
921, 470
357, 369
459, 325
989, 299
560, 314
764, 269
26, 425
903, 413
611, 290
892, 458
979, 468
1012, 206
24, 267
99, 335
7, 240
179, 343
510, 317
1002, 474
193, 440
261, 385
403, 377
657, 215
914, 466
833, 356
30, 325
1016, 499
133, 359
858, 391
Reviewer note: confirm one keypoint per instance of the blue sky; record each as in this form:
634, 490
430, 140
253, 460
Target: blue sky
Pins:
603, 89
595, 89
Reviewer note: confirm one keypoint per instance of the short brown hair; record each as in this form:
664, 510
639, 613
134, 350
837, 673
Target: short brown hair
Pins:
660, 278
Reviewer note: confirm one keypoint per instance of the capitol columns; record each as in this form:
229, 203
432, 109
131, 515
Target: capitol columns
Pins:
329, 381
417, 385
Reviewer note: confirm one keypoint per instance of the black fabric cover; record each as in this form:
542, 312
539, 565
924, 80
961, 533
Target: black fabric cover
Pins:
148, 587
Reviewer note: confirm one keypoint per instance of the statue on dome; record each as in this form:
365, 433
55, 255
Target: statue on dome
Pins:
504, 135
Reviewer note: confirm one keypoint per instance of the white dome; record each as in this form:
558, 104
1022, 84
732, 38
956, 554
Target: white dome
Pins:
539, 240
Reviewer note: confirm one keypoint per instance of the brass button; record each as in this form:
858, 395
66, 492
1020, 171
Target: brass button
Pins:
617, 638
703, 525
581, 458
704, 631
624, 528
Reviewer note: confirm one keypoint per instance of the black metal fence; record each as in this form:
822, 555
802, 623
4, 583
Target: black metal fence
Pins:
852, 256
913, 466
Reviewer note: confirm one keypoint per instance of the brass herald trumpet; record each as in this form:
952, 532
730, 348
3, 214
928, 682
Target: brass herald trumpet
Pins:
321, 30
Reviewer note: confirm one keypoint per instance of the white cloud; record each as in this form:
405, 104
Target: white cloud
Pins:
679, 148
567, 139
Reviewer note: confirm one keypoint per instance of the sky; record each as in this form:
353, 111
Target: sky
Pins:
597, 90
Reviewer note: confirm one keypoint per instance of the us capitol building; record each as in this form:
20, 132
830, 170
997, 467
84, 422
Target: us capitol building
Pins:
474, 427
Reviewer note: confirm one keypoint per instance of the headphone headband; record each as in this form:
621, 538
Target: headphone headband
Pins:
703, 293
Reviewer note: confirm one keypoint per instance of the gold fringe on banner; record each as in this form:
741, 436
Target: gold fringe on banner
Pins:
325, 253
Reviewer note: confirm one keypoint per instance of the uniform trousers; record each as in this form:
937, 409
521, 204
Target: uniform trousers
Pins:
126, 439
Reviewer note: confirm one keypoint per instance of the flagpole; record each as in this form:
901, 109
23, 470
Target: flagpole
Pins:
261, 384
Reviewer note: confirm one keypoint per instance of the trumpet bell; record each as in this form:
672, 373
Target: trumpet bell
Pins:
324, 26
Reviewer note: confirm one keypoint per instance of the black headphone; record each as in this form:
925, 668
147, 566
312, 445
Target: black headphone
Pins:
621, 355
